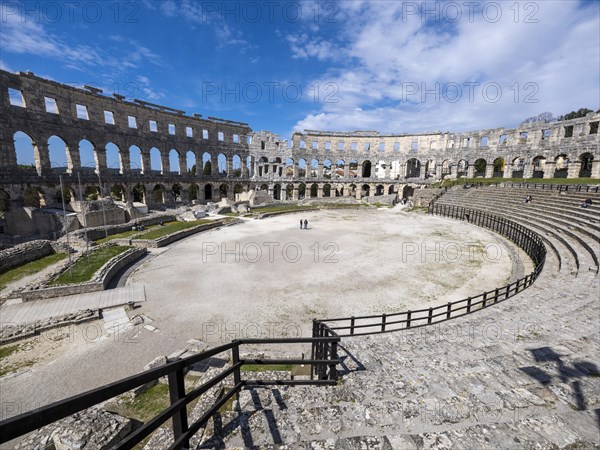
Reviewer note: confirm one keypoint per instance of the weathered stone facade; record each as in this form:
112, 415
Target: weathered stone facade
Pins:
314, 164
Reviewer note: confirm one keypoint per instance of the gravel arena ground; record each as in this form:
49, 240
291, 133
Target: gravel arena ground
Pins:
268, 278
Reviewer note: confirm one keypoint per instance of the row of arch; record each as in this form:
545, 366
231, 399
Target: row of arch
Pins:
57, 154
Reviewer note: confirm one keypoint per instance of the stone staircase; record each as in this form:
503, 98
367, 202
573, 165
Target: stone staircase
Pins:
522, 374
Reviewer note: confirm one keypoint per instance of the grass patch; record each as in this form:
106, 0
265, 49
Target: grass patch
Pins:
5, 352
265, 367
145, 406
169, 228
86, 266
345, 205
29, 269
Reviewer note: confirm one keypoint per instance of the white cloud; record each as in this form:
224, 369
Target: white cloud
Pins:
380, 56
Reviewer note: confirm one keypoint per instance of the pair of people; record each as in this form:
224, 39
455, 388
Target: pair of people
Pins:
586, 203
305, 223
528, 199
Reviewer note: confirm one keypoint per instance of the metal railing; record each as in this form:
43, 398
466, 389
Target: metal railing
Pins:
522, 236
323, 365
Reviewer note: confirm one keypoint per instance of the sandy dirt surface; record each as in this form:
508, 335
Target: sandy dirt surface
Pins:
216, 286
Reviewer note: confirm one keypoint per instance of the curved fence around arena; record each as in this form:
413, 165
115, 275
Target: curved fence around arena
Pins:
522, 236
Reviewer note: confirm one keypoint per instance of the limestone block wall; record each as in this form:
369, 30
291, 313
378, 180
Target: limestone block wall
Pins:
23, 253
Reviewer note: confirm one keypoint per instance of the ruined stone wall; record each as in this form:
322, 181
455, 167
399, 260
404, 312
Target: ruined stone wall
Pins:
24, 253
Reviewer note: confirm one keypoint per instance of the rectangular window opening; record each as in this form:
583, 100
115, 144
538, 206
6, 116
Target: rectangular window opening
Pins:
51, 106
594, 127
220, 136
340, 146
16, 97
153, 126
189, 132
315, 145
109, 118
204, 134
569, 131
82, 112
132, 122
236, 138
171, 128
396, 146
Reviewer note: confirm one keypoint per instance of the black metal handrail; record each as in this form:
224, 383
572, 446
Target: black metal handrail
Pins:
530, 185
522, 236
323, 365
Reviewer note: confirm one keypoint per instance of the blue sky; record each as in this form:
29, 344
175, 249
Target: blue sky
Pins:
347, 65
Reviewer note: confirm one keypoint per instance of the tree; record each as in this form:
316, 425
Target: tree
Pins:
207, 168
581, 112
545, 117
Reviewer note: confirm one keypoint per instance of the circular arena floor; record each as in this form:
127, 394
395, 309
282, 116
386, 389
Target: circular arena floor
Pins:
269, 278
217, 286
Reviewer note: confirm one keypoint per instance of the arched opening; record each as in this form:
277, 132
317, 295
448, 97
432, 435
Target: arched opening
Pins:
302, 168
223, 191
57, 152
391, 190
176, 192
326, 190
499, 168
379, 190
207, 165
301, 191
190, 162
277, 167
461, 170
222, 164
366, 169
314, 190
395, 170
446, 168
353, 168
117, 192
92, 193
136, 163
539, 167
480, 165
87, 155
289, 191
27, 153
289, 168
365, 190
352, 190
263, 166
562, 166
236, 166
113, 158
430, 169
139, 193
338, 171
155, 160
585, 171
174, 161
314, 168
208, 189
518, 166
407, 191
380, 167
413, 168
277, 192
158, 194
238, 189
4, 201
35, 197
58, 196
193, 192
327, 169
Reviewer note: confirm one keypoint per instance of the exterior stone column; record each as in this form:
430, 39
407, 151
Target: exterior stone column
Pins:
164, 162
596, 169
528, 170
229, 166
201, 197
125, 162
295, 194
549, 169
388, 168
41, 154
453, 170
214, 167
358, 195
438, 171
372, 190
320, 188
244, 169
346, 171
183, 164
320, 171
8, 154
146, 165
73, 159
573, 169
489, 171
471, 171
185, 196
508, 169
295, 174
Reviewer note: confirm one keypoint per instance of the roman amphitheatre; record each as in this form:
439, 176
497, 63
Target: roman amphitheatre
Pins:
426, 304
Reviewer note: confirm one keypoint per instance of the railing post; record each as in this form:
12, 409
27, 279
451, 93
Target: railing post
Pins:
408, 319
430, 317
333, 365
313, 349
468, 305
449, 310
352, 319
383, 319
496, 292
176, 393
235, 356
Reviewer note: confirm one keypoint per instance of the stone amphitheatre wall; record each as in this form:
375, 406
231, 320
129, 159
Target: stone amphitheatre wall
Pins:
312, 164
